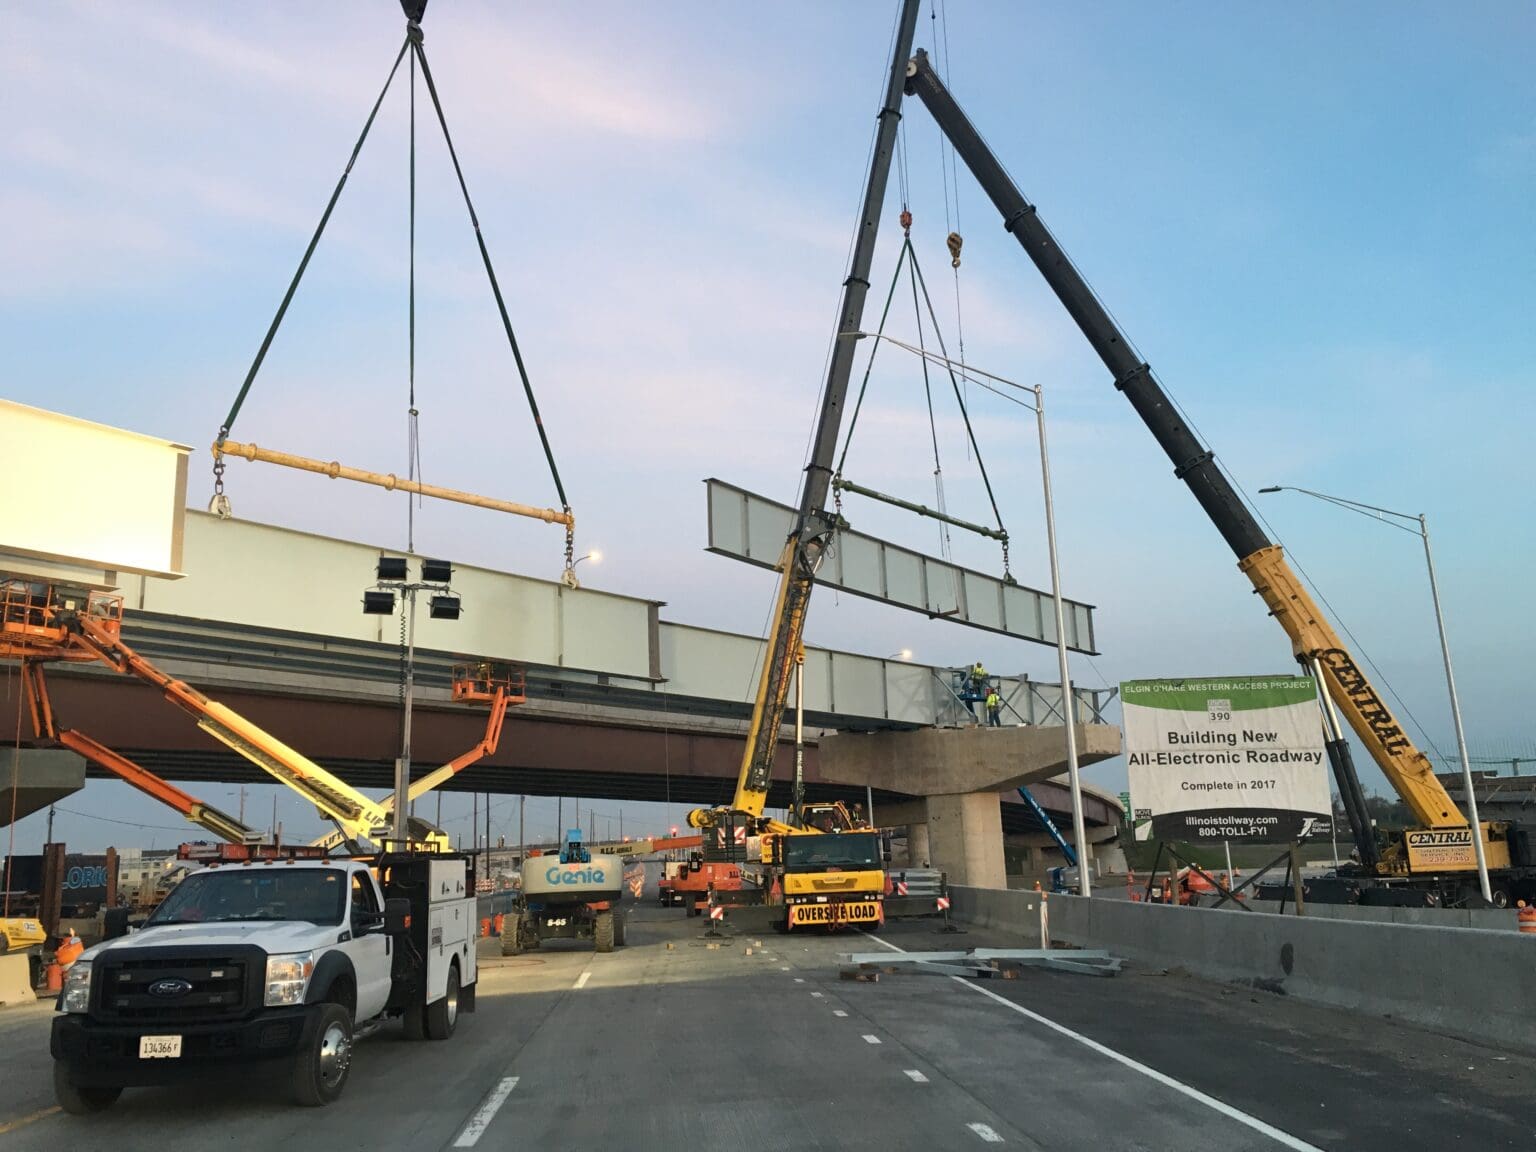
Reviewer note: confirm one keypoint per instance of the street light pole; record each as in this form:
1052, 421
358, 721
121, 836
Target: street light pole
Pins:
1068, 701
1461, 738
1422, 528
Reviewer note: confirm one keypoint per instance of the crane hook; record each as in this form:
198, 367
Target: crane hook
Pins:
954, 240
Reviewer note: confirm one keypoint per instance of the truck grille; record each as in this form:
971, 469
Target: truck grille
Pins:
218, 988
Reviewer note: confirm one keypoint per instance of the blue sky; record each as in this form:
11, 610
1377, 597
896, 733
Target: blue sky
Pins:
1318, 223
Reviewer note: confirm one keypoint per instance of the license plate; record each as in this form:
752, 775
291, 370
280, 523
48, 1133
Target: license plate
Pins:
159, 1047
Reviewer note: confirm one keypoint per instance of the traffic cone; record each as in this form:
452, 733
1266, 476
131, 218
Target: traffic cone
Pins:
1525, 919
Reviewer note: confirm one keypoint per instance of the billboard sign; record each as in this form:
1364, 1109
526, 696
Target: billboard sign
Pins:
1231, 758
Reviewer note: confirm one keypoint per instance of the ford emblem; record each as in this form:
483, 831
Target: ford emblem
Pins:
169, 988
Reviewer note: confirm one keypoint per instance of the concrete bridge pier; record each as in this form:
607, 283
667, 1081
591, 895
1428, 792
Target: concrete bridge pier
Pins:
957, 774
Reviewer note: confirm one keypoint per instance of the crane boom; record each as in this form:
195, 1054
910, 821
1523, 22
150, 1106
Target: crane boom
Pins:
1312, 638
813, 527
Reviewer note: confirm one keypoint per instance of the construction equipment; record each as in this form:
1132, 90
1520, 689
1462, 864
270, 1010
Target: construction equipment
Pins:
819, 885
41, 623
574, 896
1435, 862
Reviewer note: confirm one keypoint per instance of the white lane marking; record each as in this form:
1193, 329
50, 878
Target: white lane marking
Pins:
915, 1076
1285, 1139
581, 981
986, 1132
817, 995
838, 1012
798, 979
481, 1120
870, 1039
784, 968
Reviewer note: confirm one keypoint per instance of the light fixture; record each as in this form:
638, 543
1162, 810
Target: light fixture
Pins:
444, 608
436, 572
391, 568
1267, 491
379, 603
904, 654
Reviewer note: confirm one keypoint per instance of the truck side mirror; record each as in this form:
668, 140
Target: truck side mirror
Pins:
397, 916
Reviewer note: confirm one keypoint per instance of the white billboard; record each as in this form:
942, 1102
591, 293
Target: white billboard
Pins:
1232, 758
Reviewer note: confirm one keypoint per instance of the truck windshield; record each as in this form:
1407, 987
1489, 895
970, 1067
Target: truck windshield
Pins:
312, 894
832, 850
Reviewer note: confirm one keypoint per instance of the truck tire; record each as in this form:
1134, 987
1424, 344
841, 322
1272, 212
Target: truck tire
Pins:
602, 932
620, 923
321, 1067
80, 1099
443, 1015
512, 938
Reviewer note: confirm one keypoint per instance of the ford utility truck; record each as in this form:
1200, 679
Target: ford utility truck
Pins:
276, 965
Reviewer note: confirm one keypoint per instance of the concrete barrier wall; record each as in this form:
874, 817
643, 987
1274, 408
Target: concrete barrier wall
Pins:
1483, 919
1459, 981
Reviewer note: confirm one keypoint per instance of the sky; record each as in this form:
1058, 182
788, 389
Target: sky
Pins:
1317, 223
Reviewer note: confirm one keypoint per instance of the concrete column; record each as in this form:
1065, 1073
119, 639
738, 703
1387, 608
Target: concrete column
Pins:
965, 832
917, 846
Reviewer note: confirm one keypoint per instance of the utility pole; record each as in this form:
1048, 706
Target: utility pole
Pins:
559, 820
522, 844
50, 824
242, 804
474, 822
487, 835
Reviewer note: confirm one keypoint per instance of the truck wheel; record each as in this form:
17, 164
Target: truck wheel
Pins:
321, 1067
79, 1099
602, 932
512, 938
620, 922
443, 1015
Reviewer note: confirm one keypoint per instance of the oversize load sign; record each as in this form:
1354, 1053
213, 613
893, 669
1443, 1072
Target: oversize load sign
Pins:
1236, 758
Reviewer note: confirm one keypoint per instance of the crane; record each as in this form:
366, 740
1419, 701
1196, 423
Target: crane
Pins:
1444, 851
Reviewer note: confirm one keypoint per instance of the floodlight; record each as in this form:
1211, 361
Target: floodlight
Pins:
436, 572
391, 568
444, 607
379, 603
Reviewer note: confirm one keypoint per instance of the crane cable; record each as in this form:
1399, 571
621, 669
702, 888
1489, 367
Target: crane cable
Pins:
908, 253
414, 45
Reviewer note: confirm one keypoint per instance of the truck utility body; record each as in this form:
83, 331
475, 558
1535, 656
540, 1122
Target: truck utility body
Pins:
276, 964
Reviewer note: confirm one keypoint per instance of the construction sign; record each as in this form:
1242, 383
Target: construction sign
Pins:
1234, 758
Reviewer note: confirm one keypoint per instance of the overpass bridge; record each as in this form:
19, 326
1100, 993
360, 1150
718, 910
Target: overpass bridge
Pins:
621, 703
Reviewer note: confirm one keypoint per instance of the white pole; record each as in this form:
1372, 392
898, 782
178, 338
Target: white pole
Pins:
1461, 739
403, 764
1227, 844
797, 794
1068, 701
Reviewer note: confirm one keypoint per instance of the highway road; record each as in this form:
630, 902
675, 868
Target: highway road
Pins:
671, 1043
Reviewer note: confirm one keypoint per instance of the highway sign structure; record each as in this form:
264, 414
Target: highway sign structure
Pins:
1231, 758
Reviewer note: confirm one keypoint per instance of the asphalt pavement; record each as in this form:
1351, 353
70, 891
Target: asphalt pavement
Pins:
672, 1043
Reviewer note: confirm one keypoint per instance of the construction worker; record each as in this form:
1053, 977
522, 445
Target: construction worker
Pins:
994, 708
978, 678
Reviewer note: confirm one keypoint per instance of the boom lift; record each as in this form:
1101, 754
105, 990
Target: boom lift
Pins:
1440, 857
40, 623
809, 874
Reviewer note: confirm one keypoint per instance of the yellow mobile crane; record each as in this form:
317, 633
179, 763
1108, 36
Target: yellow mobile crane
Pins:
1436, 862
829, 865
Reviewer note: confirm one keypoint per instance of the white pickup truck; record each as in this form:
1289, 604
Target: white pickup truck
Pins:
276, 964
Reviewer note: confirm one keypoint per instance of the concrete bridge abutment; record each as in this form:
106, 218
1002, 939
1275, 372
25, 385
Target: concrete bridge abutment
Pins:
957, 774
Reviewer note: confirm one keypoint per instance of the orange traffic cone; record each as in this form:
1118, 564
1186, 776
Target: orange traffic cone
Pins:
1525, 919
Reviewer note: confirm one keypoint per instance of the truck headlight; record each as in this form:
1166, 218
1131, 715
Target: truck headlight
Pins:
287, 978
76, 993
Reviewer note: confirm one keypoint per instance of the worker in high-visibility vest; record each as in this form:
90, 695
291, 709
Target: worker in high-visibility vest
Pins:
994, 708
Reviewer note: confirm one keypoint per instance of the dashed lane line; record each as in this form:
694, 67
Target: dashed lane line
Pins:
838, 1012
481, 1120
1284, 1139
986, 1132
581, 981
915, 1076
870, 1038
